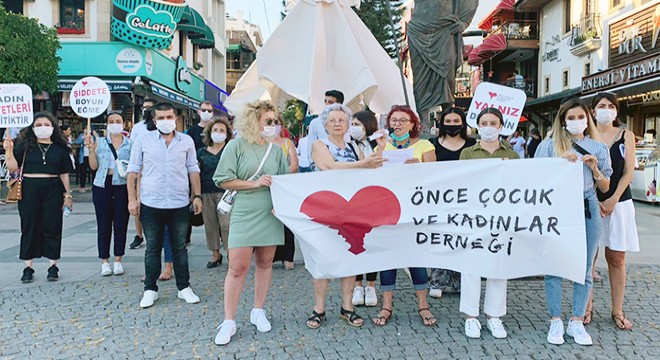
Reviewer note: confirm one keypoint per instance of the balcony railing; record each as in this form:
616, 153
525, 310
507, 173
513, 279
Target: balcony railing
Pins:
586, 29
519, 30
528, 86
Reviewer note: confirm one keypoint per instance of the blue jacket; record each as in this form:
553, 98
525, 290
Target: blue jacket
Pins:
103, 156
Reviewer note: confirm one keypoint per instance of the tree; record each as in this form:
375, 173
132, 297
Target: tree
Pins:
375, 16
28, 52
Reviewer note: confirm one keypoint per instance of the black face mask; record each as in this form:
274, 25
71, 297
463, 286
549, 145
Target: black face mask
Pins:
453, 130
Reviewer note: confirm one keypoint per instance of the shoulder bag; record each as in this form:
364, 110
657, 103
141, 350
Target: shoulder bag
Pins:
227, 201
16, 187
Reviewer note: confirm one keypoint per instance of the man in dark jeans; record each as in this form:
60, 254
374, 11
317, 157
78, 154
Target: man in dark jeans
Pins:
167, 163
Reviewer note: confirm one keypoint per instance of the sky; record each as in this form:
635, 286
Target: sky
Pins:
255, 12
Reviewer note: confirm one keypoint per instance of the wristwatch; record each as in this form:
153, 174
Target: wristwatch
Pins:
198, 197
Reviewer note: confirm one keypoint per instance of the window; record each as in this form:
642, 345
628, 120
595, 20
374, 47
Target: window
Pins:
546, 84
587, 69
615, 3
233, 61
72, 17
567, 16
565, 79
14, 6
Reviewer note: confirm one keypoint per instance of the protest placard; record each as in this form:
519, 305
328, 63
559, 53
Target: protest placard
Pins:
90, 97
468, 216
15, 106
508, 100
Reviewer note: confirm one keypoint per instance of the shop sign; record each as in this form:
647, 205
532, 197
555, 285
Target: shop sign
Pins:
114, 86
149, 62
15, 105
635, 36
182, 77
172, 96
146, 20
651, 96
551, 55
635, 71
129, 60
146, 23
90, 97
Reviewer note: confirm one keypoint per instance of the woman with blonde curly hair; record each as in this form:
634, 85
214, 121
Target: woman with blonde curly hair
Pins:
246, 165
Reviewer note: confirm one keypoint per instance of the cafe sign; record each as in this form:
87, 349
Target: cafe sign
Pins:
635, 36
146, 23
635, 71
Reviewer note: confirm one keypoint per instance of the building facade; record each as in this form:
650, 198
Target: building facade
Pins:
244, 39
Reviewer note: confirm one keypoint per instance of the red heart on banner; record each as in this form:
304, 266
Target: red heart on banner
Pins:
492, 94
370, 207
84, 83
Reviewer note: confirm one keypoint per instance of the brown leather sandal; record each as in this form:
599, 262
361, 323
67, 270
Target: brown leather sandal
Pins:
381, 320
620, 321
429, 320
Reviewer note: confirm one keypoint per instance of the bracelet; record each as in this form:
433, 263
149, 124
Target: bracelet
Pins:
599, 177
68, 196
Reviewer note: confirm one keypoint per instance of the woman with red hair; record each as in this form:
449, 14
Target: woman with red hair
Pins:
406, 130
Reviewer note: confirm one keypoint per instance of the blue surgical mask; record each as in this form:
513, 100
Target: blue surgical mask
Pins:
400, 138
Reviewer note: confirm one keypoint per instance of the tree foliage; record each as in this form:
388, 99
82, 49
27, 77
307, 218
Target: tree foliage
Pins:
293, 114
28, 52
375, 16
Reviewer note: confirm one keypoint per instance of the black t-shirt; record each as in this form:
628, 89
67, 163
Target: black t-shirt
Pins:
531, 149
57, 159
207, 164
195, 132
444, 154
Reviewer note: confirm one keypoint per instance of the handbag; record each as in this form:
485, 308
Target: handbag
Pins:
227, 201
195, 219
16, 187
122, 165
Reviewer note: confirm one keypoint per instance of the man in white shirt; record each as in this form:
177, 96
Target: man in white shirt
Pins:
518, 144
303, 153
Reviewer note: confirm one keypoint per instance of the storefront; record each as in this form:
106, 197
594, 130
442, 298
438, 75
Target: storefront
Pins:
132, 73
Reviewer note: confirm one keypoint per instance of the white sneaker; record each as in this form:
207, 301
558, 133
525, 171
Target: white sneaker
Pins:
472, 328
370, 297
496, 328
435, 293
258, 318
118, 268
556, 332
577, 331
227, 330
188, 295
105, 269
148, 298
358, 296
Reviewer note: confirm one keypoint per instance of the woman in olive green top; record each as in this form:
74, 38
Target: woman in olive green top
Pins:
253, 225
490, 123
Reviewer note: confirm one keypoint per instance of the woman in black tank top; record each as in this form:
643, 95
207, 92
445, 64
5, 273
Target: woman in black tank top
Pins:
619, 228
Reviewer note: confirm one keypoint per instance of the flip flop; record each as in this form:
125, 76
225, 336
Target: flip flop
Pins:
620, 321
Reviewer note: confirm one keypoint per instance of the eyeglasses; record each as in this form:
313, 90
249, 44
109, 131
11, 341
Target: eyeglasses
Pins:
399, 121
271, 122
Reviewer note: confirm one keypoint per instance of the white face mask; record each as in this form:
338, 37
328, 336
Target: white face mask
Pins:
218, 138
270, 132
115, 129
205, 116
356, 132
166, 126
605, 116
489, 134
43, 132
576, 127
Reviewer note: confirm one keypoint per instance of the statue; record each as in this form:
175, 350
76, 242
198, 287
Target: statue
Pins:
436, 48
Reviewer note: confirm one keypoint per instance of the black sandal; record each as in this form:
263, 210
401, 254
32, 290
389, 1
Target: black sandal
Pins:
351, 317
382, 320
316, 318
427, 321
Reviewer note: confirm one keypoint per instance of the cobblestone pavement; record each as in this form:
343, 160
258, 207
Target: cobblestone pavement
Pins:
101, 319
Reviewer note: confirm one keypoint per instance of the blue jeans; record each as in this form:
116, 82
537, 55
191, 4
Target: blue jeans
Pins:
156, 222
553, 286
419, 278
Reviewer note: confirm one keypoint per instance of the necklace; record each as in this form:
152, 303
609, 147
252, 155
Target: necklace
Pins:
43, 152
405, 145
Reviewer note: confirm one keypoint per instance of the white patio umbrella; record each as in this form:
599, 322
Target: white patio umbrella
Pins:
322, 45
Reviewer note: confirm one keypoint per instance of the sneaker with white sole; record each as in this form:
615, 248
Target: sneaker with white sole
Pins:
496, 328
472, 328
105, 269
148, 298
435, 293
577, 331
358, 296
227, 330
370, 297
118, 268
258, 319
188, 295
556, 332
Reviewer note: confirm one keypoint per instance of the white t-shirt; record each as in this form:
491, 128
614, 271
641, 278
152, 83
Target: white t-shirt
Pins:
303, 152
517, 145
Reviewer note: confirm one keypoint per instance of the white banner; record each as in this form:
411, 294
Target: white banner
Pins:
493, 218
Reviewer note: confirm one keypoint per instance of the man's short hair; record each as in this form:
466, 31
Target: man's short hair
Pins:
336, 94
206, 102
163, 106
149, 100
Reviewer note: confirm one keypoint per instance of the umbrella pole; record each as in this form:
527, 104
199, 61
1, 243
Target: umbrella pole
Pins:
398, 52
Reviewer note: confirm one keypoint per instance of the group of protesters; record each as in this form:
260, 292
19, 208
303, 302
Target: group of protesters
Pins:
165, 178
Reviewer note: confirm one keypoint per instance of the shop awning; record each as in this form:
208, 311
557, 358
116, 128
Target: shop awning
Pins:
235, 48
553, 97
170, 95
116, 86
504, 5
492, 45
206, 41
216, 95
192, 22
